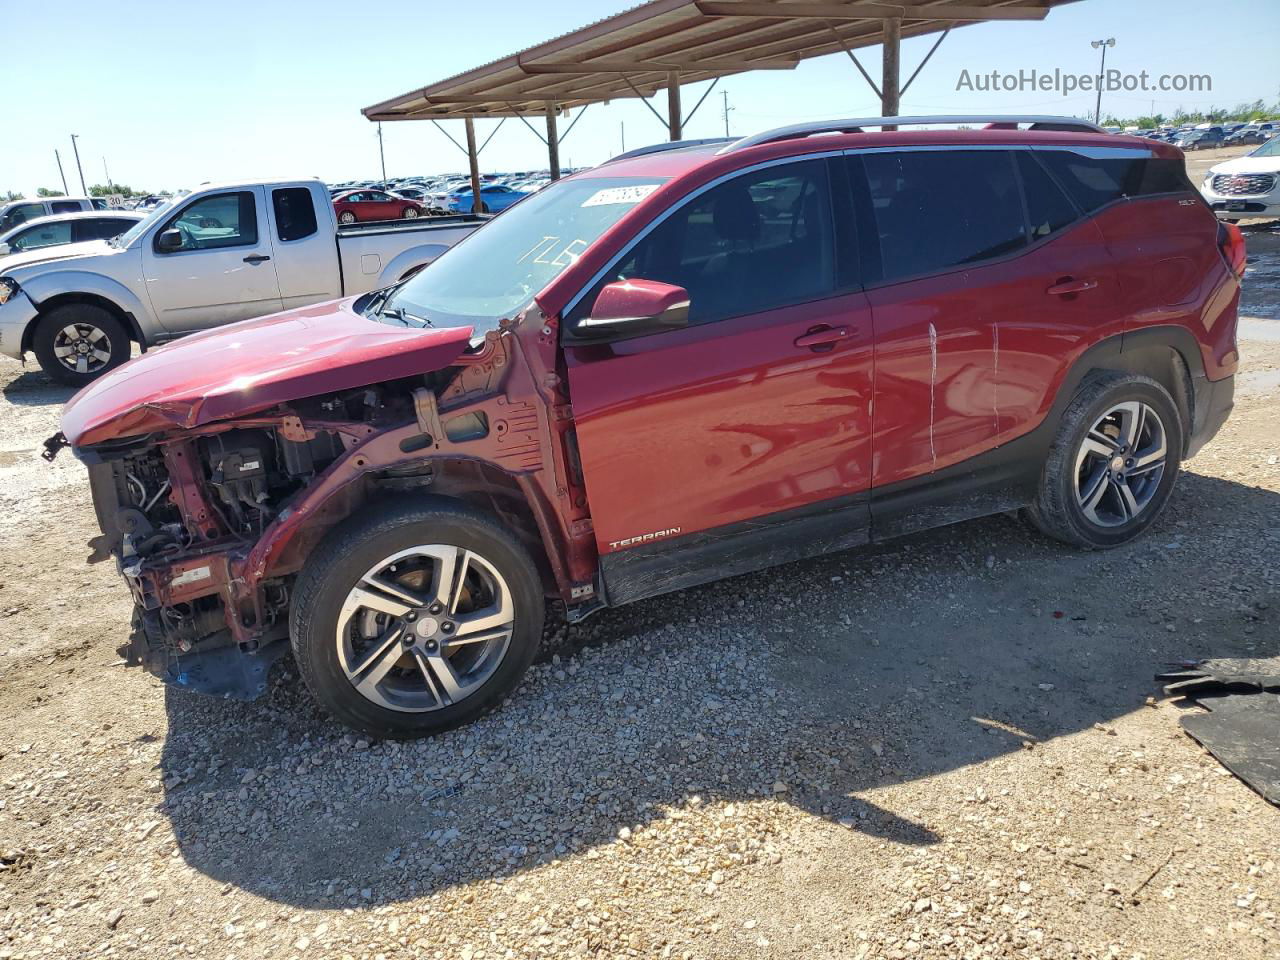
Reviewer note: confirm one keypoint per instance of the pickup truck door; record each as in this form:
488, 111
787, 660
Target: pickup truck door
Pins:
306, 256
743, 439
222, 273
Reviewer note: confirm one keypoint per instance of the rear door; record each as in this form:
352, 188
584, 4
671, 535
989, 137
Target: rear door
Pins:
306, 257
976, 318
716, 448
380, 206
223, 271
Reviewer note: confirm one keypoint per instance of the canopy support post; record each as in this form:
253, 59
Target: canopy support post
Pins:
673, 105
473, 158
553, 142
889, 82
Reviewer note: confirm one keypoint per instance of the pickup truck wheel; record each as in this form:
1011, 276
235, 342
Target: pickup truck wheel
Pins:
416, 617
77, 343
409, 213
346, 216
1113, 465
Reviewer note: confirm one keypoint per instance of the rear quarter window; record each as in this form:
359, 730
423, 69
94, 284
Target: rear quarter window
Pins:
295, 213
1094, 182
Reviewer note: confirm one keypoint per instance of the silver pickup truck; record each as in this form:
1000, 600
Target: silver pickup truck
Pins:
223, 253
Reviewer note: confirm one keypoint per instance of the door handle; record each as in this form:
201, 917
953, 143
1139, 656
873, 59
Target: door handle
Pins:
1070, 285
255, 258
823, 337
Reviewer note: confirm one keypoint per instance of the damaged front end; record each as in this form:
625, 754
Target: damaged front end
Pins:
210, 523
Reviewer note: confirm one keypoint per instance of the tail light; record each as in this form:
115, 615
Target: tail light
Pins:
1231, 243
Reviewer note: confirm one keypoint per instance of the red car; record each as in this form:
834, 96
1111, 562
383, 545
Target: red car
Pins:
681, 365
358, 206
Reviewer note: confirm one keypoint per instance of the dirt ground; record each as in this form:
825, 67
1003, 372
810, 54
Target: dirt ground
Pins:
939, 747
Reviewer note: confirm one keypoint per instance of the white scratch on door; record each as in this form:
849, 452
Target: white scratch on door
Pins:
995, 375
933, 389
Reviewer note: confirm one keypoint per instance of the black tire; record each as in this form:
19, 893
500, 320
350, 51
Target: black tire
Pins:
362, 542
87, 319
1057, 511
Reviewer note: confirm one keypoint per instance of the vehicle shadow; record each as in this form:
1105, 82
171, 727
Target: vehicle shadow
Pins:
35, 388
811, 684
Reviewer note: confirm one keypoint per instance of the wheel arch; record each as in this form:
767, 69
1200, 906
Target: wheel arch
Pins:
126, 317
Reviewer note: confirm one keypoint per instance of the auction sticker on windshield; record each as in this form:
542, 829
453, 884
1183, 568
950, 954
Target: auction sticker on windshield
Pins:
631, 194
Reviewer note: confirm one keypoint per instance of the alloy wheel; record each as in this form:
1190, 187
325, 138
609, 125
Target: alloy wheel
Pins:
1120, 464
425, 628
82, 348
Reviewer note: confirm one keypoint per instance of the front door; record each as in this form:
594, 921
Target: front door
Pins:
743, 439
223, 271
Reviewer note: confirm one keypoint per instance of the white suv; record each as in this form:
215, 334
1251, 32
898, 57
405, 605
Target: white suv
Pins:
15, 212
1247, 186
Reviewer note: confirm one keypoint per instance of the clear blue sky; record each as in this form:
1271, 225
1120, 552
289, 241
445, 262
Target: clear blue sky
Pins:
173, 94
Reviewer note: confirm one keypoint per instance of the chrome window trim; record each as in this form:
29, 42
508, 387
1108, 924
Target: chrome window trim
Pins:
669, 211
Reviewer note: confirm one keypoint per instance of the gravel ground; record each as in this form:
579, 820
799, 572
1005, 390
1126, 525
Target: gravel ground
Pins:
947, 746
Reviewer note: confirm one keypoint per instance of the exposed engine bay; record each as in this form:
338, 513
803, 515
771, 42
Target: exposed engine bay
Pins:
210, 523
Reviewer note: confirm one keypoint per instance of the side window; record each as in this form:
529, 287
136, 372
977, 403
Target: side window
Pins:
295, 213
99, 204
1048, 208
1094, 182
750, 244
64, 206
21, 214
218, 220
938, 210
45, 235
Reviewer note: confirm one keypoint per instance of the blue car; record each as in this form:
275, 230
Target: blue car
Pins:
496, 196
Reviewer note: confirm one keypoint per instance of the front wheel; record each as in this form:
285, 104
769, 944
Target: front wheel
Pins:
409, 213
1113, 464
79, 342
415, 618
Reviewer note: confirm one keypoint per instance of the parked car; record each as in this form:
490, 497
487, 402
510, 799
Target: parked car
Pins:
223, 253
14, 212
361, 206
670, 368
1199, 140
495, 197
63, 228
1247, 186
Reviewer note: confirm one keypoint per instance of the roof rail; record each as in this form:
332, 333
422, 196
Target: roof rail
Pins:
1067, 124
672, 145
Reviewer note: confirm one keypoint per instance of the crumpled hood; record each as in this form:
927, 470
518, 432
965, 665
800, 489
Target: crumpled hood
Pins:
247, 367
65, 251
1247, 165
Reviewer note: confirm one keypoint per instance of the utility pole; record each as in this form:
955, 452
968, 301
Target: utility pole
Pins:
727, 108
106, 172
57, 156
76, 151
622, 132
1102, 72
382, 156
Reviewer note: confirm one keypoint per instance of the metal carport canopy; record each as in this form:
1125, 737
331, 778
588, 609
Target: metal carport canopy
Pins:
665, 43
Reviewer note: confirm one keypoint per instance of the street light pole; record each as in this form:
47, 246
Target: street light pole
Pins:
76, 151
382, 156
1102, 72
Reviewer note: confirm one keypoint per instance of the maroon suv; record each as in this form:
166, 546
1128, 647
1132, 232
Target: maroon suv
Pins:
691, 362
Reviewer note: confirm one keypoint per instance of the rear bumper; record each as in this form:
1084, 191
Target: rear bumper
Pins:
1213, 402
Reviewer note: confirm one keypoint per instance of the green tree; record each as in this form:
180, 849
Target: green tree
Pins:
46, 192
107, 189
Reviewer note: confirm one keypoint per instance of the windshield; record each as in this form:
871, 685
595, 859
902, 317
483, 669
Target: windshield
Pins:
1268, 148
496, 271
134, 232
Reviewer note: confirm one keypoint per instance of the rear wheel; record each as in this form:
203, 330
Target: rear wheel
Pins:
346, 216
1113, 464
415, 618
77, 343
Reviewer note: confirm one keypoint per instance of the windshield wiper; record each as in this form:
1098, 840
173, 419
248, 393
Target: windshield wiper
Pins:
408, 319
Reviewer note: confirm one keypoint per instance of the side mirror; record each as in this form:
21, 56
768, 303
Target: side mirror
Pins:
634, 307
169, 240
